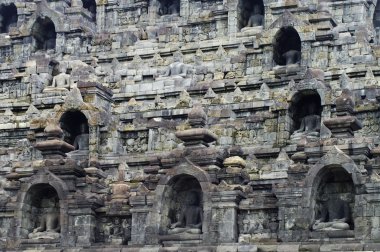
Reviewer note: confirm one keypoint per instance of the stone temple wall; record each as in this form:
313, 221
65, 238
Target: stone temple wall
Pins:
189, 125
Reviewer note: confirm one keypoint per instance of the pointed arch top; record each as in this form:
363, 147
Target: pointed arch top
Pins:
44, 178
334, 157
186, 167
288, 19
43, 11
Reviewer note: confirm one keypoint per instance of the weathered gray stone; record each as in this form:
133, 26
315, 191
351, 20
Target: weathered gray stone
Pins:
121, 110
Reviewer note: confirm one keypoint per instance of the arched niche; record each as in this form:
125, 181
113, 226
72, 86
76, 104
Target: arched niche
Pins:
376, 20
183, 194
250, 13
90, 5
44, 34
75, 128
305, 112
8, 17
376, 16
168, 7
40, 213
334, 199
287, 46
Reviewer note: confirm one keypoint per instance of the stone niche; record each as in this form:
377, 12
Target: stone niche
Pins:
90, 5
182, 213
75, 129
8, 17
168, 7
376, 17
43, 34
305, 115
250, 13
334, 199
287, 47
41, 214
376, 21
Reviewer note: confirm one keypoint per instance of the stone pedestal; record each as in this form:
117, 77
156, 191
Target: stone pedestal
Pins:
53, 148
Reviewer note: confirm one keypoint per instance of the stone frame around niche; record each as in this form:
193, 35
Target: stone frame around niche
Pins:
333, 159
307, 36
155, 222
311, 84
50, 180
74, 102
10, 24
294, 114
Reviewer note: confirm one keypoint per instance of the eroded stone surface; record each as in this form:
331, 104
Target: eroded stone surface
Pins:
176, 125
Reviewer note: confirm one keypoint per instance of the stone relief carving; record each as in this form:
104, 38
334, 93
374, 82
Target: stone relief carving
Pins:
113, 230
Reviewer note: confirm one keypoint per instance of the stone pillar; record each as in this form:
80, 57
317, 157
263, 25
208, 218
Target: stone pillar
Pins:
184, 9
232, 18
93, 145
100, 18
140, 211
81, 227
84, 226
289, 214
60, 42
82, 221
224, 227
152, 12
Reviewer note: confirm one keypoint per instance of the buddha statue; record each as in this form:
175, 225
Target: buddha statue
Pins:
1, 23
62, 80
334, 215
173, 8
177, 68
310, 124
81, 141
49, 223
190, 220
50, 40
256, 17
291, 57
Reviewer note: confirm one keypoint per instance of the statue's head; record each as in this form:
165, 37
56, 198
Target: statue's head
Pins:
50, 34
311, 109
192, 199
324, 197
177, 56
62, 69
256, 9
48, 203
83, 128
